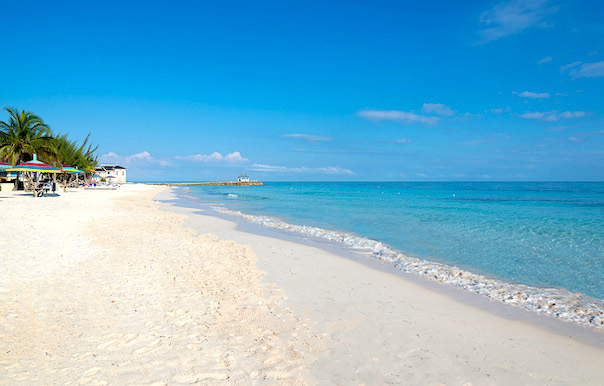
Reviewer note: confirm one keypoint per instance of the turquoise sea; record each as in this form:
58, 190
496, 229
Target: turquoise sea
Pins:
548, 236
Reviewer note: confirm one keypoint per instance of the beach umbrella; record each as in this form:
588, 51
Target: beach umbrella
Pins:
34, 166
70, 169
95, 177
3, 167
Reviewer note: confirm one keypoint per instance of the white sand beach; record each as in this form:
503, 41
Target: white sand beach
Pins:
112, 287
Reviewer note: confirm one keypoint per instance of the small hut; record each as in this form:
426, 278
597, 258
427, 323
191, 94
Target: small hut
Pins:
243, 178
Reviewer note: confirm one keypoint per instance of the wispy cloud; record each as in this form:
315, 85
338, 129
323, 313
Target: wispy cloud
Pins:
396, 115
512, 17
493, 138
308, 137
576, 138
402, 141
583, 137
544, 60
143, 157
501, 110
570, 65
231, 158
589, 70
110, 157
337, 151
559, 128
532, 95
438, 108
552, 116
565, 127
334, 170
303, 169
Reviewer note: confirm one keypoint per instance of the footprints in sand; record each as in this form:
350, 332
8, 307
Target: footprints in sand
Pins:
183, 308
148, 348
201, 377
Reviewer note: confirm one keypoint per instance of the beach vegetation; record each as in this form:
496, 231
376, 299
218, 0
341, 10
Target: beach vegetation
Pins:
23, 135
82, 156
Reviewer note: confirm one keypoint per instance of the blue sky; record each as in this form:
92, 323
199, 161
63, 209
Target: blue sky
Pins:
357, 90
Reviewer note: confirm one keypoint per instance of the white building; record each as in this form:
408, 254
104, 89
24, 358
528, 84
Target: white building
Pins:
108, 171
243, 178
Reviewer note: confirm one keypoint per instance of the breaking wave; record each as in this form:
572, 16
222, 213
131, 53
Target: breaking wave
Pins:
557, 302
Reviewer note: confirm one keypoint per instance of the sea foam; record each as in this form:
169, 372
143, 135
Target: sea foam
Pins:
557, 302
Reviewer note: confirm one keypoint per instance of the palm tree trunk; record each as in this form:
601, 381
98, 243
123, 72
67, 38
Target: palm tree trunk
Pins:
16, 187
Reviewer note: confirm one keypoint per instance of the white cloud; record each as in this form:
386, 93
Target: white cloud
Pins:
544, 60
396, 115
216, 157
437, 108
570, 65
402, 140
552, 116
533, 95
334, 170
143, 157
497, 111
303, 169
589, 70
308, 137
111, 156
512, 17
572, 114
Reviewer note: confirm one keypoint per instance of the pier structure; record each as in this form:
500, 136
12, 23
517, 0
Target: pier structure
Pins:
242, 183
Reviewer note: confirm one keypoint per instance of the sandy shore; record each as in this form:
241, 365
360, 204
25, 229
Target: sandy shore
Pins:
111, 287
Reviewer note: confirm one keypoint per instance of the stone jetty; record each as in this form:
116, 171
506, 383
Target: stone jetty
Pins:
206, 183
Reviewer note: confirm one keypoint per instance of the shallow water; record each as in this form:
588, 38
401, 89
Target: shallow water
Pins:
534, 243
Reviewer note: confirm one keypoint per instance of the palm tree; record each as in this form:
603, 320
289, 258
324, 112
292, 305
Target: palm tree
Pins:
69, 152
23, 135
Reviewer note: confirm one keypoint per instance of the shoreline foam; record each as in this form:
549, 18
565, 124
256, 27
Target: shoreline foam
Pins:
560, 303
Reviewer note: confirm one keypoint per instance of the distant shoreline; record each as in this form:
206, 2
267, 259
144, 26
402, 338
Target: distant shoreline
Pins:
205, 183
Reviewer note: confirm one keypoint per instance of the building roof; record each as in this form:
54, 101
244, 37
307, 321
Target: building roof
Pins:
243, 175
109, 167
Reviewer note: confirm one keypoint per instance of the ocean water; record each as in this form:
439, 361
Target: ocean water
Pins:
536, 244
